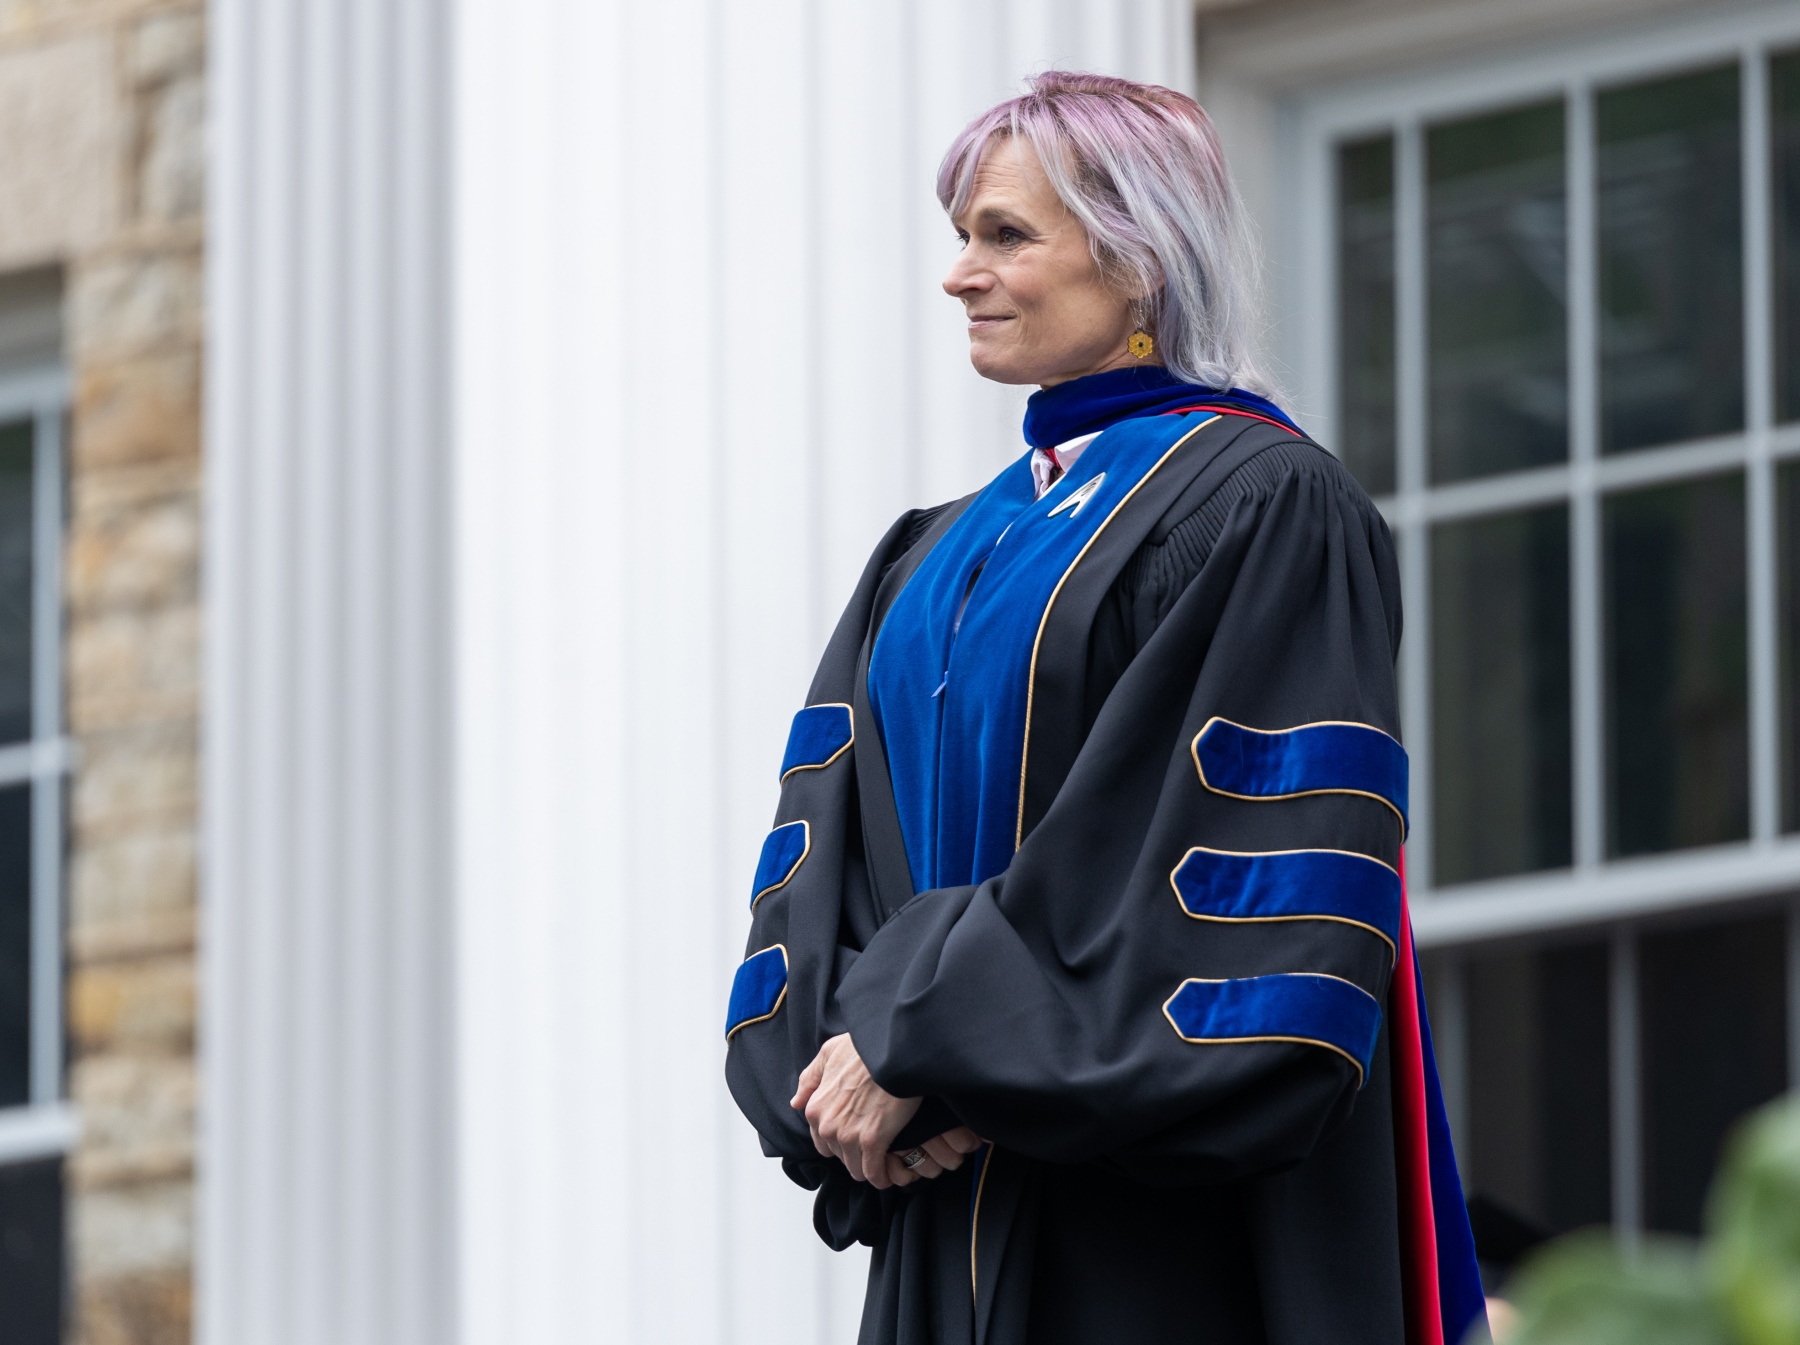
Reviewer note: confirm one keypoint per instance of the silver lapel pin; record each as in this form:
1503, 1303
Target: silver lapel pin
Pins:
1078, 499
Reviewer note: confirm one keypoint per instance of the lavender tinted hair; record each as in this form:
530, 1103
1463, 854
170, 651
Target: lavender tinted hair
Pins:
1141, 168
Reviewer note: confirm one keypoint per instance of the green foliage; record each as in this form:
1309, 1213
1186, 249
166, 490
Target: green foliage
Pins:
1741, 1286
1753, 1222
1582, 1291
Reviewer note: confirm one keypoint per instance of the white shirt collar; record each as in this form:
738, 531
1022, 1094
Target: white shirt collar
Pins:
1043, 467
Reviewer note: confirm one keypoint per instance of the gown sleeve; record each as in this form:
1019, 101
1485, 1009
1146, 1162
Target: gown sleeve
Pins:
1183, 969
811, 911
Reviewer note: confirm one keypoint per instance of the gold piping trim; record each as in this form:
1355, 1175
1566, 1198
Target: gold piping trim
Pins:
821, 765
779, 999
1304, 1041
805, 850
1273, 919
1031, 675
1194, 751
975, 1220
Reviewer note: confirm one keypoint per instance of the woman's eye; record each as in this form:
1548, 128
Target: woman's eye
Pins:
1009, 238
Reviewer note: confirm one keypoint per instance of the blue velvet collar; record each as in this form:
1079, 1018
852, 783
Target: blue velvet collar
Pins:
1083, 405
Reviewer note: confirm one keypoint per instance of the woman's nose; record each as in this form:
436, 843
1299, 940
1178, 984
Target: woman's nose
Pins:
964, 278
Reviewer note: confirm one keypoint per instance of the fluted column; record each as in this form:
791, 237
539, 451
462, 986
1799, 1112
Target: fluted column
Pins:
328, 1199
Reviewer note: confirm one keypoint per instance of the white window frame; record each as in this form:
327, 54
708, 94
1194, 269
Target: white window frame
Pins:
45, 1126
1594, 889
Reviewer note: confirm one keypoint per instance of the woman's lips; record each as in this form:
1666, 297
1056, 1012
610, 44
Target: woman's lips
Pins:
982, 324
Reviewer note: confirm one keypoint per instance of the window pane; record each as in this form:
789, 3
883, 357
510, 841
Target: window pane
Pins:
1675, 660
1714, 1046
1540, 1130
1500, 694
1787, 505
15, 580
1366, 311
1671, 261
31, 1252
1784, 98
15, 945
1498, 283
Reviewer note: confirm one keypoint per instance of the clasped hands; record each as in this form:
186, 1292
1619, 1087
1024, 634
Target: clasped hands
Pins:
854, 1119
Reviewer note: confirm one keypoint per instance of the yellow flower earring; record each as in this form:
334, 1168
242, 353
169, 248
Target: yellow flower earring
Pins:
1141, 344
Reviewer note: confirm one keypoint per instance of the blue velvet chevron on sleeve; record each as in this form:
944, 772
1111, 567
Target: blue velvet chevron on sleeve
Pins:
1290, 1006
819, 735
1326, 758
758, 988
782, 851
1290, 885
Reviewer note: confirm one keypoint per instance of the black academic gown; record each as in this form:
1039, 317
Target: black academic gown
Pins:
1139, 1187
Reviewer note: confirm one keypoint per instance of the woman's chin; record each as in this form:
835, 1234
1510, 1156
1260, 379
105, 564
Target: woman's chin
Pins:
1002, 366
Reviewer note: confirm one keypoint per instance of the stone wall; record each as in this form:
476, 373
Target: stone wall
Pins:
102, 171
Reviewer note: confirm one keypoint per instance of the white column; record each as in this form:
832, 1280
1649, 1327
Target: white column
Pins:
326, 1162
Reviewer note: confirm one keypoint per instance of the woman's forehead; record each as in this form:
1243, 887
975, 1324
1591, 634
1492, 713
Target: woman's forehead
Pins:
1009, 175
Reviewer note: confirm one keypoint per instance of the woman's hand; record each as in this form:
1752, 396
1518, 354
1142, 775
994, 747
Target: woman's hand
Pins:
943, 1153
854, 1119
850, 1115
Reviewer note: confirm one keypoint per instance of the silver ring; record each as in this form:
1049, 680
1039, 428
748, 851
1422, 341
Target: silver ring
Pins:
912, 1158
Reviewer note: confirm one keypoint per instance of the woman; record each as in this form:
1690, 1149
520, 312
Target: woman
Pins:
1071, 978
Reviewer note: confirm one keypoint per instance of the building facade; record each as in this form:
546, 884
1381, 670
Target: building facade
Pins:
563, 358
1538, 276
102, 166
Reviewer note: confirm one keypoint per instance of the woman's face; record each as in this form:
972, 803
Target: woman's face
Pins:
1039, 309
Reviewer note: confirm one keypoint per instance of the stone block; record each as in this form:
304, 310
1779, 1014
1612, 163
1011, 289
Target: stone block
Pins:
60, 147
142, 1004
145, 1309
132, 893
128, 667
136, 410
135, 775
138, 934
166, 46
171, 168
134, 555
24, 18
137, 1119
133, 1229
130, 485
134, 302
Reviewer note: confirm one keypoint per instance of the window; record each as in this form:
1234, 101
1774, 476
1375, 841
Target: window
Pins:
34, 1122
1537, 1137
1548, 312
1500, 693
1496, 260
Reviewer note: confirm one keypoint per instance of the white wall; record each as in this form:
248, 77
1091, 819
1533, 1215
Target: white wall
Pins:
691, 359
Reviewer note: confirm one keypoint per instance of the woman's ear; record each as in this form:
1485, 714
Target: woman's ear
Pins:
1150, 283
